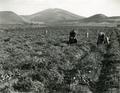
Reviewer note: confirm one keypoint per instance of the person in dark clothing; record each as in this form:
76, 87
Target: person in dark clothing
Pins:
72, 33
72, 38
101, 38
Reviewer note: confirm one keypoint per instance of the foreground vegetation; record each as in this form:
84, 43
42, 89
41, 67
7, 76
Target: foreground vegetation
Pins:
35, 61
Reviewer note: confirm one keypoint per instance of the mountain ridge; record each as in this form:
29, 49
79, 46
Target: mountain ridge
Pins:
9, 17
53, 16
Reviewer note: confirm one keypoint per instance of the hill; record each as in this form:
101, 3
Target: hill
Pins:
53, 15
8, 17
57, 17
101, 18
96, 18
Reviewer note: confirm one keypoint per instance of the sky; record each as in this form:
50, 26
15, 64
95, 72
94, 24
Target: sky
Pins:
81, 7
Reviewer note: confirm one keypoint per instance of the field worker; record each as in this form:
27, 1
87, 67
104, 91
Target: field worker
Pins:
72, 33
72, 38
101, 38
107, 40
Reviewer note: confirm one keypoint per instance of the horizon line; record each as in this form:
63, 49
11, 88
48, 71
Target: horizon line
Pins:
60, 9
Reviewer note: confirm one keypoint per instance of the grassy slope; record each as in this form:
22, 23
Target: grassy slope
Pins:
8, 17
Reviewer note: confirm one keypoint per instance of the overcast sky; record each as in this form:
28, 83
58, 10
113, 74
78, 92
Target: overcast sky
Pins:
80, 7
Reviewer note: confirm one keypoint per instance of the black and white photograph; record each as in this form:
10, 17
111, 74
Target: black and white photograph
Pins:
59, 46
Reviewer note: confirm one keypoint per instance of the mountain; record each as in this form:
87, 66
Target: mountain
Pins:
8, 17
101, 18
96, 18
53, 15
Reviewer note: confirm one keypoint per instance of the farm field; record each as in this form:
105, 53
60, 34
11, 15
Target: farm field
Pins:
39, 60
